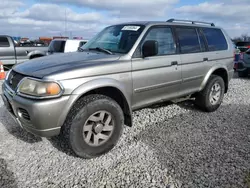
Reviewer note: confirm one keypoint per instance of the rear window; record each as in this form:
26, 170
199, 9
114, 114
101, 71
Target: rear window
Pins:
248, 51
57, 46
243, 44
215, 39
4, 42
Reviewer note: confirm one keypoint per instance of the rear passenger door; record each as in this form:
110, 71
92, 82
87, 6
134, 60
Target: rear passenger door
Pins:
193, 62
218, 48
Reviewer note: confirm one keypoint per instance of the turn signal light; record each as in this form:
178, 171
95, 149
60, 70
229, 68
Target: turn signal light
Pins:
53, 89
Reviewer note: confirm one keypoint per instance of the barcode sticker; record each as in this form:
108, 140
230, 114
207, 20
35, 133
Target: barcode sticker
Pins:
131, 28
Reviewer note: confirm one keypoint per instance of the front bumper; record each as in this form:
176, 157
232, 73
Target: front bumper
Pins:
40, 117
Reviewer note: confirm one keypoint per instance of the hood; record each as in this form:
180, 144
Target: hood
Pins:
56, 63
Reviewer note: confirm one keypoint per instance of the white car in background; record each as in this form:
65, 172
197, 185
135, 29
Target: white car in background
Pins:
65, 45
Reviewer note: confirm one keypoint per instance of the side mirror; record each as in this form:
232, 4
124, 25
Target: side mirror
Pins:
150, 48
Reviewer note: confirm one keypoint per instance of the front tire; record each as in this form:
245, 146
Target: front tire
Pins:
211, 97
93, 126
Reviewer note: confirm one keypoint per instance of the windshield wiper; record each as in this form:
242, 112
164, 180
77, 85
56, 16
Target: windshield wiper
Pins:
101, 50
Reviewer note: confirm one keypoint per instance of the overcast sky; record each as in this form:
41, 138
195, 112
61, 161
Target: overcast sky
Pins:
34, 18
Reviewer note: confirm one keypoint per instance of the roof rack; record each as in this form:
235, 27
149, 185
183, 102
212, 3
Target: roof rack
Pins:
193, 22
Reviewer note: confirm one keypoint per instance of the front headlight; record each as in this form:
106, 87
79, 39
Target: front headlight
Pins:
39, 89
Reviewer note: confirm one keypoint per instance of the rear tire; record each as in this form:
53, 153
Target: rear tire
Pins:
209, 99
242, 74
85, 129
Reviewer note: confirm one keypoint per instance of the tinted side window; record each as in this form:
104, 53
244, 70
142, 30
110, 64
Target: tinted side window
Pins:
164, 37
57, 46
188, 40
4, 42
202, 42
215, 39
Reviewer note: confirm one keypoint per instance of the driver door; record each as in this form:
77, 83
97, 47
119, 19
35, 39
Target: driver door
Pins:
158, 77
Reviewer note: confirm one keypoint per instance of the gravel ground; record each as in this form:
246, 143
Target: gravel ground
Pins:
169, 146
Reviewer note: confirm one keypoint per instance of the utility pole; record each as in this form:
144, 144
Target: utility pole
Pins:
65, 22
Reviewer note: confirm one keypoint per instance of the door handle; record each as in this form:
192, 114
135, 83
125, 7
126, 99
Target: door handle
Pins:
205, 59
174, 63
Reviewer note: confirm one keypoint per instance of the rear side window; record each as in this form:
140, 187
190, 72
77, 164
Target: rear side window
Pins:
188, 40
4, 42
57, 46
215, 39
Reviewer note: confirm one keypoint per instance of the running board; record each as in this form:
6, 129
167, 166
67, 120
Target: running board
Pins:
181, 99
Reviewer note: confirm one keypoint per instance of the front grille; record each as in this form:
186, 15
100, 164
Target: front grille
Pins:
14, 78
24, 114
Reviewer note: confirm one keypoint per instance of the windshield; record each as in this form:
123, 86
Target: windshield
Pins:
116, 39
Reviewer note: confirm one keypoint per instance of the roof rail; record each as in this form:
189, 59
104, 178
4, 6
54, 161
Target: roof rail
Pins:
193, 22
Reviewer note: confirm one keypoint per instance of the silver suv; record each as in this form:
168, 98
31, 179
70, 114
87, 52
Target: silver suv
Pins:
87, 96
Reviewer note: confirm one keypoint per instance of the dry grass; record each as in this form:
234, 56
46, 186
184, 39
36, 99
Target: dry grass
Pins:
247, 180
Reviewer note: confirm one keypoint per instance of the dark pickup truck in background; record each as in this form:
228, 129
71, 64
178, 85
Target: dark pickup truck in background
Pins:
11, 54
243, 46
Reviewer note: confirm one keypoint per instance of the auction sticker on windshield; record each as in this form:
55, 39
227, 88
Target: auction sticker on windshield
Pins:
131, 27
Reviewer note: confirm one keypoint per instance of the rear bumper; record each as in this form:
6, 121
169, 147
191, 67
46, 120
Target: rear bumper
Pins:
41, 117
